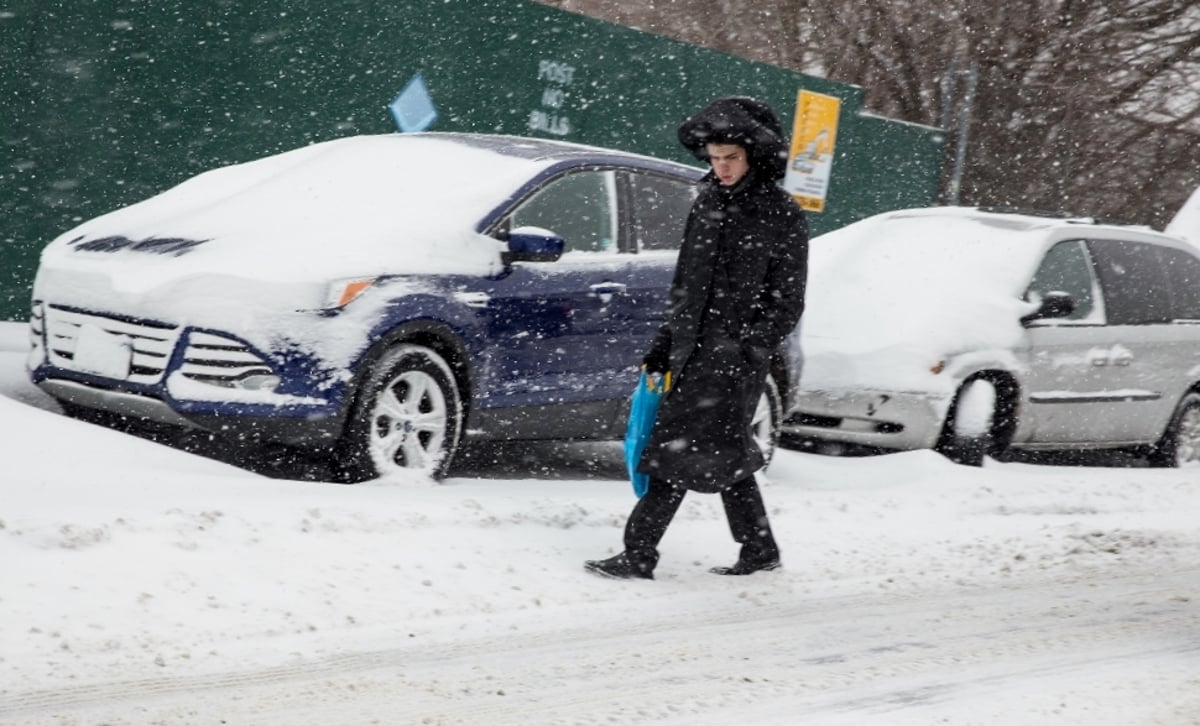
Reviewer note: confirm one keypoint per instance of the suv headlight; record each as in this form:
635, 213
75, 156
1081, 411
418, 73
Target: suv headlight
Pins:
342, 292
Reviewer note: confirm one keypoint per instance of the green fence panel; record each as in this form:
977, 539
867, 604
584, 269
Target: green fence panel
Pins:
106, 102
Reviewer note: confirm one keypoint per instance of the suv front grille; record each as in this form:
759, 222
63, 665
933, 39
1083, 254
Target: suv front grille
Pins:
218, 360
151, 343
208, 358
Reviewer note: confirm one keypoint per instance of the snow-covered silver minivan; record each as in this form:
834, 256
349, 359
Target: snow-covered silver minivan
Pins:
973, 332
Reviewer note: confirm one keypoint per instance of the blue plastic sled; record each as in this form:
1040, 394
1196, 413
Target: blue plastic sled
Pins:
643, 408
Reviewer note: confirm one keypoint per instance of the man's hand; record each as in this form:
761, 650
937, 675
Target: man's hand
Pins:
657, 361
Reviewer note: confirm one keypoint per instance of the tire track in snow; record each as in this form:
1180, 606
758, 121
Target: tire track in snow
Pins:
727, 654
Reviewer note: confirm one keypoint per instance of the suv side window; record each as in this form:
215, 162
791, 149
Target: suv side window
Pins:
1068, 268
660, 209
1183, 274
1135, 283
577, 207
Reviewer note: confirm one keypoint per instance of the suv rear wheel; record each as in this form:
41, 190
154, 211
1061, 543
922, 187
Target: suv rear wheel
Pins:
768, 415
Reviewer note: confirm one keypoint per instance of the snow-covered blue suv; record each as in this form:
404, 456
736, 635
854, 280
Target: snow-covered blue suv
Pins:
384, 297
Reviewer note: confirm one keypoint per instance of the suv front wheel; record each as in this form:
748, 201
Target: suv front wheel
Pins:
407, 417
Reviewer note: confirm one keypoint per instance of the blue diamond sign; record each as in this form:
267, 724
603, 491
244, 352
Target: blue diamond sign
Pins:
413, 108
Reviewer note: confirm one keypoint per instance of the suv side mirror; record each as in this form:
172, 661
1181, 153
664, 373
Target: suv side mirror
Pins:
533, 244
1055, 304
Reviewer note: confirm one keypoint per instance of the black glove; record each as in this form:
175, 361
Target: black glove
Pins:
657, 361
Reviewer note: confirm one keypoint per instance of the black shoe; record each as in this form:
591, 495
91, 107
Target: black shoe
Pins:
748, 567
619, 567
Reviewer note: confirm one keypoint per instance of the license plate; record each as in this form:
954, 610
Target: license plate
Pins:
102, 353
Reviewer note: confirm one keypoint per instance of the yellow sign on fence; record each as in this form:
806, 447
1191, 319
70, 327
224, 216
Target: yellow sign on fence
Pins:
814, 136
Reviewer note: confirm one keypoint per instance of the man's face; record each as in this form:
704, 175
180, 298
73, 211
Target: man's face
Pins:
728, 161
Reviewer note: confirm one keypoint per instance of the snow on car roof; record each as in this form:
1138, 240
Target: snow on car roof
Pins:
550, 150
338, 208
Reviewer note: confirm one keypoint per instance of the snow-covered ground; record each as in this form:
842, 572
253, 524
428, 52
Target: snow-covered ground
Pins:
143, 585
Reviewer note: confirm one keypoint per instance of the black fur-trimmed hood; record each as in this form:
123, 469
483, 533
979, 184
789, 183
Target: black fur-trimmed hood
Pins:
739, 120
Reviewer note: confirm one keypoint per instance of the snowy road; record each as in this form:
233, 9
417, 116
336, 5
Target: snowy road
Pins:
745, 654
143, 585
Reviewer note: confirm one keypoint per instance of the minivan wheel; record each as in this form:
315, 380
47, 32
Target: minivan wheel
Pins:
768, 416
407, 417
967, 434
1180, 443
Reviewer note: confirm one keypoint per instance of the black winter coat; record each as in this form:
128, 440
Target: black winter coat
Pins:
738, 291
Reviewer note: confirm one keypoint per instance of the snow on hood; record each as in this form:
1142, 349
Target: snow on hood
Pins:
343, 208
892, 295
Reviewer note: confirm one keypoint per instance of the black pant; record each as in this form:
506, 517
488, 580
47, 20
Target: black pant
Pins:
744, 509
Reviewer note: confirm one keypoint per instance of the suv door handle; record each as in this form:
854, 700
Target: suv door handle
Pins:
473, 299
605, 290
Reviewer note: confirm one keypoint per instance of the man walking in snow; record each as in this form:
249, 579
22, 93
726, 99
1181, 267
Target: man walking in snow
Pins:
737, 292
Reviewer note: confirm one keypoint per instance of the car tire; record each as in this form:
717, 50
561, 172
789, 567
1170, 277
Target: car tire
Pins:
767, 421
1180, 443
407, 417
967, 435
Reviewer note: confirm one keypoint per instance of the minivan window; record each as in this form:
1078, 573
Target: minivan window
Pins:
1067, 268
1183, 274
1135, 284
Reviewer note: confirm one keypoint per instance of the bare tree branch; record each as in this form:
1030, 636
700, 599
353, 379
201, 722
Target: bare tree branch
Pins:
1087, 104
